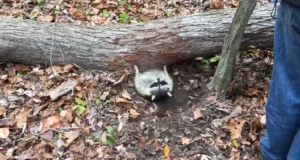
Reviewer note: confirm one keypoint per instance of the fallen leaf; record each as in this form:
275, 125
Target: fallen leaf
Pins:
235, 127
46, 18
122, 100
120, 127
217, 4
50, 122
263, 120
252, 91
185, 140
2, 111
235, 143
68, 67
124, 76
4, 132
125, 94
212, 98
3, 157
134, 112
77, 13
71, 136
166, 151
145, 17
197, 114
104, 95
255, 124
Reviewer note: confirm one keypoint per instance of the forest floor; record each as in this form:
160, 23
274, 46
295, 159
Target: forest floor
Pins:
72, 113
66, 112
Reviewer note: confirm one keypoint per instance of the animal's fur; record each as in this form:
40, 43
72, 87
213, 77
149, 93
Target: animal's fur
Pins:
153, 84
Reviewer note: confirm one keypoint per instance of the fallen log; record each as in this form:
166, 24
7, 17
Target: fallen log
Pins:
152, 43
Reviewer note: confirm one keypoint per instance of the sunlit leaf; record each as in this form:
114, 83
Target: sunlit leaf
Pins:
167, 151
236, 143
110, 140
98, 101
109, 129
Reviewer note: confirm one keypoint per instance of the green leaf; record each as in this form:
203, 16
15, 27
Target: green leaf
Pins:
60, 109
105, 13
214, 59
109, 129
110, 140
124, 17
57, 8
20, 18
75, 107
80, 110
84, 103
20, 73
128, 5
78, 100
205, 62
98, 101
122, 3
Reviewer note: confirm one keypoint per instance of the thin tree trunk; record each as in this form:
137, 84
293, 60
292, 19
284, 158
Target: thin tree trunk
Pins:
233, 39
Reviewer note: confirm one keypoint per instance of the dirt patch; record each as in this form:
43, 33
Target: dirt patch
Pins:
116, 123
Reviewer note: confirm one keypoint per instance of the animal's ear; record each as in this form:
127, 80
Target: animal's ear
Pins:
136, 69
152, 97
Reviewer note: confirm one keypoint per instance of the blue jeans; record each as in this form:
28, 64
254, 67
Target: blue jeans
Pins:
282, 141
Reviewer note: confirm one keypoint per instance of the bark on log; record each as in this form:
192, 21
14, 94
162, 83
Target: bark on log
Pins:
153, 43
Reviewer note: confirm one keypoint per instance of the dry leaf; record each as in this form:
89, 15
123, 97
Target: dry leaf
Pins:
2, 111
46, 18
124, 76
77, 13
235, 127
134, 112
68, 67
71, 136
263, 119
120, 127
145, 17
212, 98
255, 124
104, 95
4, 132
185, 140
122, 100
197, 114
167, 151
50, 122
125, 94
3, 157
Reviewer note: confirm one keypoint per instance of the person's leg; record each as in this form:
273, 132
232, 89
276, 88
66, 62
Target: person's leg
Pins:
294, 152
283, 104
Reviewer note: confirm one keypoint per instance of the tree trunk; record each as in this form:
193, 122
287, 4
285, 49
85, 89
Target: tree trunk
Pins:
153, 43
233, 39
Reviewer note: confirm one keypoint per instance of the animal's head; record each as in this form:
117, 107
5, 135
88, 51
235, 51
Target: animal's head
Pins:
160, 88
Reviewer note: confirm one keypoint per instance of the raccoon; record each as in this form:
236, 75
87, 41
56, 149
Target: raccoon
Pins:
153, 84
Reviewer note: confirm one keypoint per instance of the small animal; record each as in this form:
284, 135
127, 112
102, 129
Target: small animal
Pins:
153, 84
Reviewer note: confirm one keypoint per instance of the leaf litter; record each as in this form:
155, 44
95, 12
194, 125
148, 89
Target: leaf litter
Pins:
61, 111
108, 12
94, 118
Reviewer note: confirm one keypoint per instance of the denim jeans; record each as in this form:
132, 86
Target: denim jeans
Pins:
282, 141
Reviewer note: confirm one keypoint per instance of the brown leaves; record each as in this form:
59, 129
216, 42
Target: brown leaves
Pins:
52, 122
197, 114
235, 127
